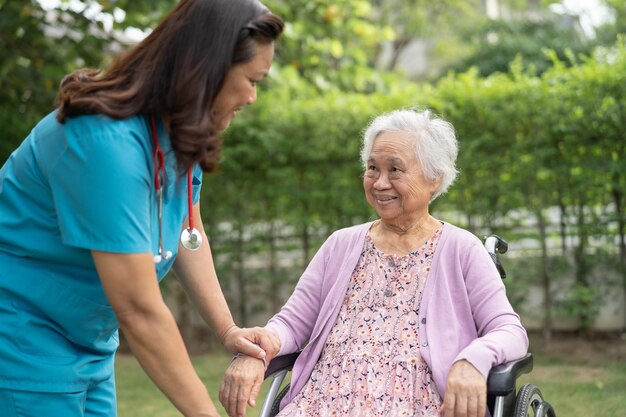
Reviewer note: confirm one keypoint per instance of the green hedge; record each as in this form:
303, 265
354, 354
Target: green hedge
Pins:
527, 143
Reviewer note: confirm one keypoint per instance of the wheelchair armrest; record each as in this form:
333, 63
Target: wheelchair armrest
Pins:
502, 378
277, 370
281, 363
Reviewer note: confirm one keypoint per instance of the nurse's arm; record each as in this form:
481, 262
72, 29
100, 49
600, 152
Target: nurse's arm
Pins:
196, 272
130, 283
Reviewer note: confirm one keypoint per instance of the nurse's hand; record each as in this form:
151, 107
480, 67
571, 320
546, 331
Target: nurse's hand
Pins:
241, 385
466, 392
257, 342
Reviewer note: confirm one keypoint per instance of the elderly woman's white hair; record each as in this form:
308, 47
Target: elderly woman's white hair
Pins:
436, 146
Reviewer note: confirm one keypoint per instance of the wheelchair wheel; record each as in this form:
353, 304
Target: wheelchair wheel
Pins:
530, 403
545, 409
276, 405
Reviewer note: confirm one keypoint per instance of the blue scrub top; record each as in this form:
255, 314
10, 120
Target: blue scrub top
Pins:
87, 184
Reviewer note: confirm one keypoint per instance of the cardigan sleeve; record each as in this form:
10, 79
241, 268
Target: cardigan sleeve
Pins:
295, 321
501, 336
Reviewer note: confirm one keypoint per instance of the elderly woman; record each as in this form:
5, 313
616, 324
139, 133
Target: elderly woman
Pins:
402, 316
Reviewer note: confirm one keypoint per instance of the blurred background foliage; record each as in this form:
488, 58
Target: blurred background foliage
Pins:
538, 103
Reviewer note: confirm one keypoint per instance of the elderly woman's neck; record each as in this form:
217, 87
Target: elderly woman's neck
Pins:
413, 226
403, 238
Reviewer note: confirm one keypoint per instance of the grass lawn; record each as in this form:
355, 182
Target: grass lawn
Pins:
139, 397
574, 389
581, 390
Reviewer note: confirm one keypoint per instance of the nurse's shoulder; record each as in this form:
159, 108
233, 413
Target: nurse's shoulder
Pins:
97, 126
93, 142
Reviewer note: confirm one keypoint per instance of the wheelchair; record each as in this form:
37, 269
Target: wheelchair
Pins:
503, 398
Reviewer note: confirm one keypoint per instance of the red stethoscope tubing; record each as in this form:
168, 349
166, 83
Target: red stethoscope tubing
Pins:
159, 179
189, 200
159, 170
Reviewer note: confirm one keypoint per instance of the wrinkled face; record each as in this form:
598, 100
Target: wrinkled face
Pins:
239, 87
394, 183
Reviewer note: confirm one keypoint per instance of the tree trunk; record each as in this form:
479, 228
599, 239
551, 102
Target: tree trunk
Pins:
305, 227
398, 47
470, 223
621, 230
545, 279
562, 224
306, 245
580, 259
582, 268
273, 281
240, 277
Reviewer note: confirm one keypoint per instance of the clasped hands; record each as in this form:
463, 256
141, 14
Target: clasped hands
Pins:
255, 348
256, 342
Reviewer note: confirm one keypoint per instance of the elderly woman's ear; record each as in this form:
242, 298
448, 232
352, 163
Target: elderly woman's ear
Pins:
436, 183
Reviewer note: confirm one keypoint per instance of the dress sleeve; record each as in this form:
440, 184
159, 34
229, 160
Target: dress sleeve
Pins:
103, 192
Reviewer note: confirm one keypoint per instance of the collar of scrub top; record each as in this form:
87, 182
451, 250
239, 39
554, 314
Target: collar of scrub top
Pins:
190, 237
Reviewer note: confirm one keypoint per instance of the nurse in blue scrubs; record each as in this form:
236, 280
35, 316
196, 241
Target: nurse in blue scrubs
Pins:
101, 200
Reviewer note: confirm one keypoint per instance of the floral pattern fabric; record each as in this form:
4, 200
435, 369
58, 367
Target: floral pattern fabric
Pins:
371, 364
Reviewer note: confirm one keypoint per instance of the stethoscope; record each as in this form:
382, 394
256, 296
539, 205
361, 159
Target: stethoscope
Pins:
190, 237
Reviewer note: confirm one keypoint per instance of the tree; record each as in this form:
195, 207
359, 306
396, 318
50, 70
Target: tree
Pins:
497, 44
331, 43
420, 19
38, 47
608, 32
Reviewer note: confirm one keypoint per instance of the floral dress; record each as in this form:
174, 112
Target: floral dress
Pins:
371, 364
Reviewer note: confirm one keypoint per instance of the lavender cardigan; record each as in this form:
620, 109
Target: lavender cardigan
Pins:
464, 311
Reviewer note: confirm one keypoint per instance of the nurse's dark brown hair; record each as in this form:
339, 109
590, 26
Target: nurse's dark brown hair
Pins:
176, 72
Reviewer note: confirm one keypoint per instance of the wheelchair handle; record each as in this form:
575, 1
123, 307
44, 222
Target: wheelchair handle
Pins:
496, 245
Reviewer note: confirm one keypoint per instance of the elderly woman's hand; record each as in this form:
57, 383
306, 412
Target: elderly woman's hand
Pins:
257, 342
466, 392
241, 385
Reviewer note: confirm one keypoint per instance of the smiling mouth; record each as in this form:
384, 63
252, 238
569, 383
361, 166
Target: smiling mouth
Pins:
236, 110
384, 199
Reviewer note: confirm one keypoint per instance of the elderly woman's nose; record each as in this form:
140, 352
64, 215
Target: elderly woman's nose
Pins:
382, 181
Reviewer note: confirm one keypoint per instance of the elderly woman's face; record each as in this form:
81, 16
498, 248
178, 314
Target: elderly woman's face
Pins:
394, 182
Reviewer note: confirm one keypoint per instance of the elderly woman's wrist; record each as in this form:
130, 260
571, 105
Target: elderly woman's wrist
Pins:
243, 355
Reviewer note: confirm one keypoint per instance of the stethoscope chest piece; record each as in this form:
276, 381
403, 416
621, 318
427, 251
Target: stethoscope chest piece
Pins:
191, 239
